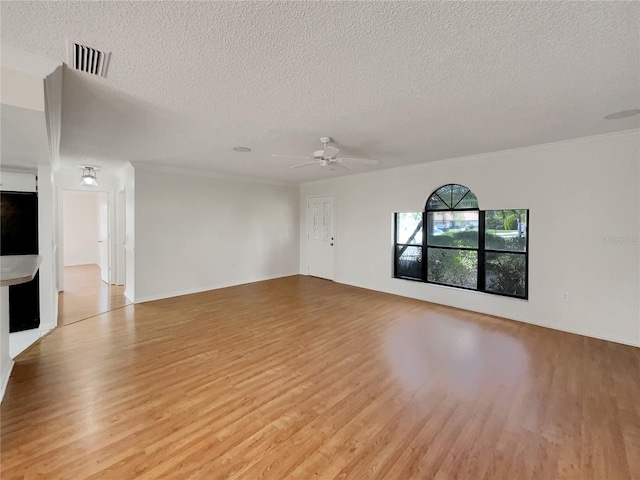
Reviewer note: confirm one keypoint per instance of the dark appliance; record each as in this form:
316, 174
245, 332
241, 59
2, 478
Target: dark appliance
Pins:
19, 236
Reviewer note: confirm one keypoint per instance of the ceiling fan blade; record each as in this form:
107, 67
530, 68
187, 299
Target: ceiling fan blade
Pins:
342, 165
289, 156
362, 161
303, 164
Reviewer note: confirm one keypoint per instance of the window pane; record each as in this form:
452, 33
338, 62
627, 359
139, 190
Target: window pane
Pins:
409, 228
505, 273
316, 221
435, 203
410, 262
457, 192
445, 194
453, 229
506, 230
469, 201
453, 267
326, 221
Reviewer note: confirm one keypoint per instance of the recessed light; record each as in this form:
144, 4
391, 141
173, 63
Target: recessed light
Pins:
623, 114
241, 149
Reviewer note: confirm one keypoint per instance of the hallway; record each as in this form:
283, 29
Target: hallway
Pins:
86, 295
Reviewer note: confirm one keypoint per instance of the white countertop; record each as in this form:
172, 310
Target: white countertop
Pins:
16, 269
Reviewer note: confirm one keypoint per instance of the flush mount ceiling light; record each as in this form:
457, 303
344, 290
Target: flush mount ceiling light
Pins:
89, 176
241, 149
623, 114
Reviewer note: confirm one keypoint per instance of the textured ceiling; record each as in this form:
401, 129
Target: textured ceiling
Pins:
401, 82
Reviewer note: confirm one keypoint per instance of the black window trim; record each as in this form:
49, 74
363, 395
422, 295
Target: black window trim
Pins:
481, 249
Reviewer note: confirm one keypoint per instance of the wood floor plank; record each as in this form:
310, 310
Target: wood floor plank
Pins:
303, 378
604, 452
86, 295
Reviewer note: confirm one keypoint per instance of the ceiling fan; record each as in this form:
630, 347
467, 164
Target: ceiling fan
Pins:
328, 157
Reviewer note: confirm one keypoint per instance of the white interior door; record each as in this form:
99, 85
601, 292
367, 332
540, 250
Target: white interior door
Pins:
103, 236
321, 228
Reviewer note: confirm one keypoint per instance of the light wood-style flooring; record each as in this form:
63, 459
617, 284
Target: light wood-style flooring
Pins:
86, 295
303, 378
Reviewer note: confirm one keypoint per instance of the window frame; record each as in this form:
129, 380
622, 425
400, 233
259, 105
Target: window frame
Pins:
510, 252
395, 255
481, 249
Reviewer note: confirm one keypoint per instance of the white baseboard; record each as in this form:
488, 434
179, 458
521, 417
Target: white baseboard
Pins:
608, 338
5, 380
20, 341
584, 333
151, 298
44, 329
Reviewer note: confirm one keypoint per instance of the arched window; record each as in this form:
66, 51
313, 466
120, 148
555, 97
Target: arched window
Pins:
454, 243
452, 197
452, 237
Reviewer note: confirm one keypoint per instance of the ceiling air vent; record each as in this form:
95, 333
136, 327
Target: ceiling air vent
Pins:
87, 59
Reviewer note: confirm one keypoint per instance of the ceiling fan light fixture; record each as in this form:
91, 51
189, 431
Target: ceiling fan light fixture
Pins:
328, 157
89, 177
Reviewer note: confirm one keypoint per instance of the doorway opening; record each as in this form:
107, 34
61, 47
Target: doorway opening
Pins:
89, 284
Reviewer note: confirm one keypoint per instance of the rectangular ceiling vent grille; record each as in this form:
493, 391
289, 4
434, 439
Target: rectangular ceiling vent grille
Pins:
87, 59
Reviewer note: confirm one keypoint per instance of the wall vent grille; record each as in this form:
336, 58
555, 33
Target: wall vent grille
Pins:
87, 59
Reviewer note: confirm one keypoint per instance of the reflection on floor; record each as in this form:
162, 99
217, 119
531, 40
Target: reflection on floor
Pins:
86, 295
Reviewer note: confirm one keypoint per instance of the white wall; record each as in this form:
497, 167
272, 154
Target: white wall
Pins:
126, 181
584, 229
121, 236
196, 233
46, 241
6, 364
80, 227
18, 181
21, 89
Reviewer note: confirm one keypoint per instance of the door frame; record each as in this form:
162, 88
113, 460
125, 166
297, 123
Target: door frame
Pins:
110, 261
335, 231
121, 222
110, 229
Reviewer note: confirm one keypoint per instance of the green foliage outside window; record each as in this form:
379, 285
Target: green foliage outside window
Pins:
464, 247
453, 267
505, 273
